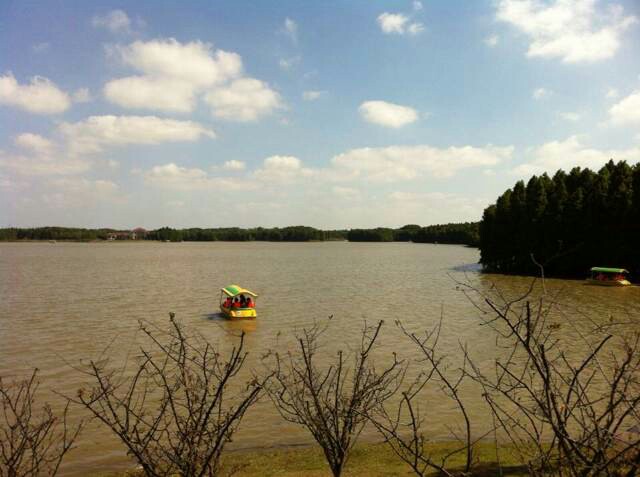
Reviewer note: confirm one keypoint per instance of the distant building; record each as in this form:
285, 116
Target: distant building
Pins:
135, 234
138, 233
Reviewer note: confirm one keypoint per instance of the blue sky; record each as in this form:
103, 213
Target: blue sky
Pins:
330, 114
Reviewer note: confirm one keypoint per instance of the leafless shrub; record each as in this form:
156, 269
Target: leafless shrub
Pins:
566, 407
32, 442
179, 408
332, 403
403, 427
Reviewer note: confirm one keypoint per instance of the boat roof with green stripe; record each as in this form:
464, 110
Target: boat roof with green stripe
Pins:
234, 290
609, 270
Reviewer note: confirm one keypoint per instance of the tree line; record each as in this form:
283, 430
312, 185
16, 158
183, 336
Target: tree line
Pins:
567, 223
465, 233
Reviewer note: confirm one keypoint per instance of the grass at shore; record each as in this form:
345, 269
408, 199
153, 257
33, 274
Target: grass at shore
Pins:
370, 460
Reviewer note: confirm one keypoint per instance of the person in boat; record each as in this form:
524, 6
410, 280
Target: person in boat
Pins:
249, 303
228, 302
236, 302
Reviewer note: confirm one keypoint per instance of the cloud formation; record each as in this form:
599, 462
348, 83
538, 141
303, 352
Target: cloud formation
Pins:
398, 24
39, 156
290, 28
172, 176
387, 114
570, 153
175, 75
541, 93
245, 99
575, 31
626, 111
116, 21
312, 95
40, 96
95, 133
398, 163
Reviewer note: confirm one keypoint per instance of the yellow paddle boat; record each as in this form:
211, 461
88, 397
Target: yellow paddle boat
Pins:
609, 277
238, 302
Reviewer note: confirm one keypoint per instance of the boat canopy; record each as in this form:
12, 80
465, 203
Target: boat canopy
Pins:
234, 290
609, 270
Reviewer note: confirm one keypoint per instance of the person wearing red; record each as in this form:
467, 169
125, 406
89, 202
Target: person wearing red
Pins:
249, 303
236, 303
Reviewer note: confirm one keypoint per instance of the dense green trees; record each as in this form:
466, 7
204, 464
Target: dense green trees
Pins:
285, 234
53, 233
379, 234
467, 233
568, 223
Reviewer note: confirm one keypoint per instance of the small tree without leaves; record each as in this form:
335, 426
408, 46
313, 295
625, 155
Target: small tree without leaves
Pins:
181, 405
31, 443
332, 403
403, 427
568, 413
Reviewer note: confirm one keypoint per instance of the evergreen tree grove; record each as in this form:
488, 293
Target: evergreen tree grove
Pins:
567, 223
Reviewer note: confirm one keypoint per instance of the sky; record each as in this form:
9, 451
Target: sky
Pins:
332, 114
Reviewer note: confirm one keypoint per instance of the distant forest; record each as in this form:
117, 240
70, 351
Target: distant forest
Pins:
465, 234
567, 223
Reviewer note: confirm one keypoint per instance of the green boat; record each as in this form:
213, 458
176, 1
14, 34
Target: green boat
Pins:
609, 277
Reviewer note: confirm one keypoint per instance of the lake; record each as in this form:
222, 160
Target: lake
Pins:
65, 302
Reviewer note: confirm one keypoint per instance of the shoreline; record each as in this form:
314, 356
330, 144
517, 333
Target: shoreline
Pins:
366, 459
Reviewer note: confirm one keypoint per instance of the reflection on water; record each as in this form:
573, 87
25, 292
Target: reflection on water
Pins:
63, 303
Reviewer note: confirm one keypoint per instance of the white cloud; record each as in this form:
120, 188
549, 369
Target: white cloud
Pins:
312, 95
569, 116
572, 30
40, 96
417, 5
570, 153
234, 165
81, 95
281, 169
290, 28
398, 23
348, 193
41, 47
492, 41
34, 143
541, 93
41, 157
194, 62
415, 28
288, 63
393, 22
434, 207
80, 192
387, 114
398, 163
612, 93
174, 74
148, 92
43, 164
172, 176
627, 110
245, 99
97, 132
116, 21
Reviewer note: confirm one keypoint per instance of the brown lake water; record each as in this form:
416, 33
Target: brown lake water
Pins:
62, 303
